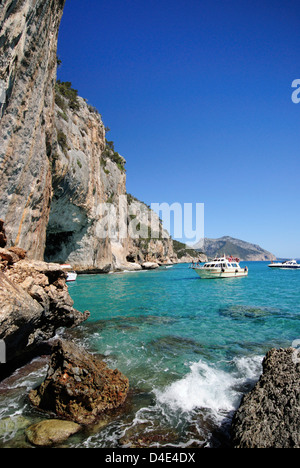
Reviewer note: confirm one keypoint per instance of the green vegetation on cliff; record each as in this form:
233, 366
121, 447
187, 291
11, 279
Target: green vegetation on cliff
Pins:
113, 155
182, 250
64, 89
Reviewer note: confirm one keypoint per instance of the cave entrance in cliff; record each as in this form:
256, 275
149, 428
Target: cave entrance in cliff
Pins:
131, 258
57, 246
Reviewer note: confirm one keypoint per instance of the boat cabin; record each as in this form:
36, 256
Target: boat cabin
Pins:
223, 262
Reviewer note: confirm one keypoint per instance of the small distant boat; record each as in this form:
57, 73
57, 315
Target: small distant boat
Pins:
71, 275
221, 267
287, 265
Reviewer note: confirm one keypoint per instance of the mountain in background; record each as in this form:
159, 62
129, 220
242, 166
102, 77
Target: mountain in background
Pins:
235, 247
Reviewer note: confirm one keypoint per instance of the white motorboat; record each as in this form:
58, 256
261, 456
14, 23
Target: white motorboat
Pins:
71, 275
221, 267
287, 265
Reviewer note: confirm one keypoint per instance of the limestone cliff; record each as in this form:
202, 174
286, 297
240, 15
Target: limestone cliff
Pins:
79, 185
89, 182
56, 167
28, 41
152, 243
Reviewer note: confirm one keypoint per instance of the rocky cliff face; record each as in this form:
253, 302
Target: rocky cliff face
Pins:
80, 185
59, 177
147, 240
29, 30
91, 216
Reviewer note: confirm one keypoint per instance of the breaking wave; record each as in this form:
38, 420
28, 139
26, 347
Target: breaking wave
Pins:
207, 387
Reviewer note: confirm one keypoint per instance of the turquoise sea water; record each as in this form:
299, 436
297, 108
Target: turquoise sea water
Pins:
190, 348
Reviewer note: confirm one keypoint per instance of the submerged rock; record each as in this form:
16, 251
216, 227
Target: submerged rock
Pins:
269, 415
237, 312
78, 386
144, 435
50, 432
13, 424
174, 345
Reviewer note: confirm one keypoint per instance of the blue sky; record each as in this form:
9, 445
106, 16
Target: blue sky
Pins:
197, 95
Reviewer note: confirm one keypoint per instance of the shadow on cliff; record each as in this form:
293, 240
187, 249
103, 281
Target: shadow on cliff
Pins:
59, 245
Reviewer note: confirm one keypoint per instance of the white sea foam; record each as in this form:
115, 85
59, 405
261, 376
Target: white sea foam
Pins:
205, 390
207, 387
248, 368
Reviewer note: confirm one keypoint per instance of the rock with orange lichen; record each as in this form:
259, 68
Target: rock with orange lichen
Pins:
79, 387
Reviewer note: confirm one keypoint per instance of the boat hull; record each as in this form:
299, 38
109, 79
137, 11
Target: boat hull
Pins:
206, 273
71, 277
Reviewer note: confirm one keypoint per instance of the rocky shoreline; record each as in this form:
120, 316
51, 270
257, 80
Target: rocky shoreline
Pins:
34, 305
269, 415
